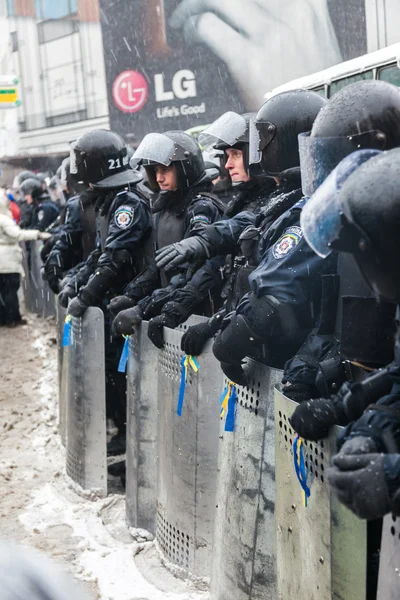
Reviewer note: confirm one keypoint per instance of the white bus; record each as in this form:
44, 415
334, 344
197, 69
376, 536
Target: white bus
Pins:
383, 64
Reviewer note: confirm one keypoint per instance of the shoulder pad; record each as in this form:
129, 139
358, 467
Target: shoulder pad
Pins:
211, 198
135, 195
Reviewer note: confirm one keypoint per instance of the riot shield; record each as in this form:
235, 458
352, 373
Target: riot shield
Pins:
187, 458
389, 564
321, 548
44, 296
38, 296
141, 427
86, 405
244, 541
28, 289
62, 372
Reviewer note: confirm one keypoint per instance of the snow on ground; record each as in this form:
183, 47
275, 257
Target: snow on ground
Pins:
38, 506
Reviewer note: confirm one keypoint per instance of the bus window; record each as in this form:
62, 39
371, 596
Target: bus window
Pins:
391, 74
339, 84
320, 91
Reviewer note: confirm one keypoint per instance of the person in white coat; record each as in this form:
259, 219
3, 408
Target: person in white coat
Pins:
11, 268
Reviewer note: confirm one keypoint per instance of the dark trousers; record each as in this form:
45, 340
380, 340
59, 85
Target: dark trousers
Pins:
9, 305
115, 381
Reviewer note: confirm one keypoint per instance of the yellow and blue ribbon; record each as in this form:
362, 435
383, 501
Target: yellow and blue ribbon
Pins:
123, 361
300, 467
66, 338
186, 363
228, 405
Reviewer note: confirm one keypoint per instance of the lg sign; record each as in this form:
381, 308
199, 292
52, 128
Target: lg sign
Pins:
130, 90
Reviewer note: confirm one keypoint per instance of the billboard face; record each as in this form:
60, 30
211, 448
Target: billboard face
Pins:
175, 64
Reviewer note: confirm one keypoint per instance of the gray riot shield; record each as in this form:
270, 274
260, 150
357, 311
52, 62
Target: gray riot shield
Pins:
321, 548
86, 406
244, 542
29, 292
187, 458
38, 296
389, 564
45, 297
141, 427
62, 373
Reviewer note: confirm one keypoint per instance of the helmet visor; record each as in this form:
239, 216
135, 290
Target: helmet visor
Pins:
323, 216
75, 159
261, 134
319, 156
230, 129
157, 148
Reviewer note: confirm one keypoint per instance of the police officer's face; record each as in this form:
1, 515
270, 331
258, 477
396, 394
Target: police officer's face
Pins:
28, 198
235, 165
166, 177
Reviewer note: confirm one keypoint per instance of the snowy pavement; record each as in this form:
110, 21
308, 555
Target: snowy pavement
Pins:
39, 507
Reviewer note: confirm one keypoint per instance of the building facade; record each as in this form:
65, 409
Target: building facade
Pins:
55, 49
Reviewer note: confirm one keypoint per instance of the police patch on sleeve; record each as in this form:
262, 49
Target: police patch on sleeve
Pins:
200, 220
124, 217
287, 242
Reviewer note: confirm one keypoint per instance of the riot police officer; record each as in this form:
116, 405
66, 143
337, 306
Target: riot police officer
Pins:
228, 134
99, 158
366, 472
271, 321
185, 204
44, 211
67, 250
363, 115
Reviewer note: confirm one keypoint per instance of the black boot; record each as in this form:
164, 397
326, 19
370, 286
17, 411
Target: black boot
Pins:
117, 469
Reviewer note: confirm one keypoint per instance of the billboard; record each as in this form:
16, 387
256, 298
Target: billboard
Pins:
175, 64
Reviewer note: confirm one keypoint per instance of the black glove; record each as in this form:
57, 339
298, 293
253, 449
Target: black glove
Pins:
360, 484
68, 292
124, 323
54, 282
314, 419
77, 307
235, 340
298, 392
234, 372
192, 248
156, 329
120, 303
359, 445
195, 338
155, 303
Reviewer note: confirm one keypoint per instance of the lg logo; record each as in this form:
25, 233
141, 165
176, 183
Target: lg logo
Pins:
183, 86
130, 89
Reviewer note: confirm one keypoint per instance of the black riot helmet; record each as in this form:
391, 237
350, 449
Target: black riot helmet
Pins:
20, 178
363, 115
365, 222
32, 187
171, 148
230, 130
274, 147
101, 158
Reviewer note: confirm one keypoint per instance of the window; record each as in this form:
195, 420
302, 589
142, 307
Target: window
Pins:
53, 30
55, 9
338, 85
320, 91
391, 74
10, 8
14, 41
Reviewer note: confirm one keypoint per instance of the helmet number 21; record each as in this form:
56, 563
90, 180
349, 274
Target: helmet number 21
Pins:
114, 163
